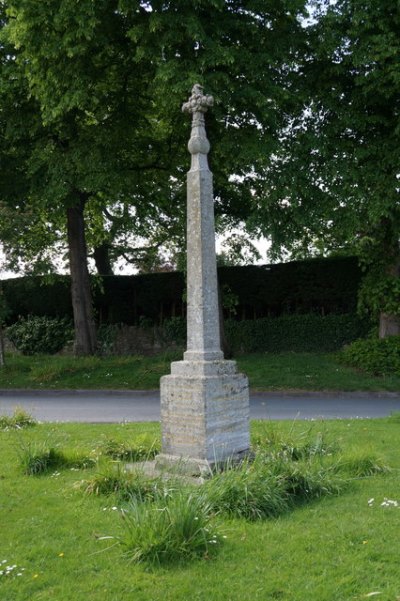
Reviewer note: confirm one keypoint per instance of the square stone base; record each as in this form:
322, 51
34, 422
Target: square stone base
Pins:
204, 413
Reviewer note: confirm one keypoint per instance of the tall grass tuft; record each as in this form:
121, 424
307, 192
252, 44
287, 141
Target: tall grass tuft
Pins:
305, 481
125, 485
361, 465
306, 446
17, 421
143, 448
39, 458
247, 492
174, 529
269, 486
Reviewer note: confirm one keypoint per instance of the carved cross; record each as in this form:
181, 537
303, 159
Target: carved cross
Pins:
198, 102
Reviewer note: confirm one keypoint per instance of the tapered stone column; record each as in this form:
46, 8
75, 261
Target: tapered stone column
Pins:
204, 401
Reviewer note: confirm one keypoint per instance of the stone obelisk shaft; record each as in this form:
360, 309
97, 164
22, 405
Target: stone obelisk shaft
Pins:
203, 342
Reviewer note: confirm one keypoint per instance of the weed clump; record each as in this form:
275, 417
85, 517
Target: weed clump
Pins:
17, 421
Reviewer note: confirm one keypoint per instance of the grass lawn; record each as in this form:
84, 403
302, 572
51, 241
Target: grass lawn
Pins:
283, 371
337, 548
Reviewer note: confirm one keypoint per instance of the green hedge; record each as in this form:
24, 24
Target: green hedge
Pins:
129, 299
299, 333
322, 286
37, 296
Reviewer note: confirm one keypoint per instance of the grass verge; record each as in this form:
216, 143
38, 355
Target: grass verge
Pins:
266, 371
333, 548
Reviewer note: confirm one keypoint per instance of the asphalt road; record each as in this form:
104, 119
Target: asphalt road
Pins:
139, 406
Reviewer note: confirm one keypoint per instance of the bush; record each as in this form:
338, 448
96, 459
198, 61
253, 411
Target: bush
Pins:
174, 330
36, 335
377, 356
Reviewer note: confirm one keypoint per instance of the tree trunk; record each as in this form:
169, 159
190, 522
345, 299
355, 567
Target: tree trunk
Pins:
389, 325
225, 347
2, 355
85, 331
101, 256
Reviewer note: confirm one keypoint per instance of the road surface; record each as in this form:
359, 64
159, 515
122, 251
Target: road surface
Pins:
138, 406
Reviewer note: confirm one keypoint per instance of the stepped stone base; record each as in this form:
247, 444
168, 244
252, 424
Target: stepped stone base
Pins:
204, 415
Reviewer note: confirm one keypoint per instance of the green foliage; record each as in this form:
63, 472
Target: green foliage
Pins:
106, 334
174, 330
18, 420
333, 183
100, 89
4, 308
319, 285
380, 289
298, 333
178, 528
37, 335
377, 356
229, 299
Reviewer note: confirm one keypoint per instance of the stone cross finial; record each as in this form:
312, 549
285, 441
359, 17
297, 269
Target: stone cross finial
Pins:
196, 106
198, 102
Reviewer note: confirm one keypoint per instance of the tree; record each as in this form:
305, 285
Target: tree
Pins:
81, 77
334, 183
105, 81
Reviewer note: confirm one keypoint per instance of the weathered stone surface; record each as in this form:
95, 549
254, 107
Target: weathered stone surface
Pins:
205, 417
204, 402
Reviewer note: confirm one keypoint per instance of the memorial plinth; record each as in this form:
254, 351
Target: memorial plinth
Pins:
204, 401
